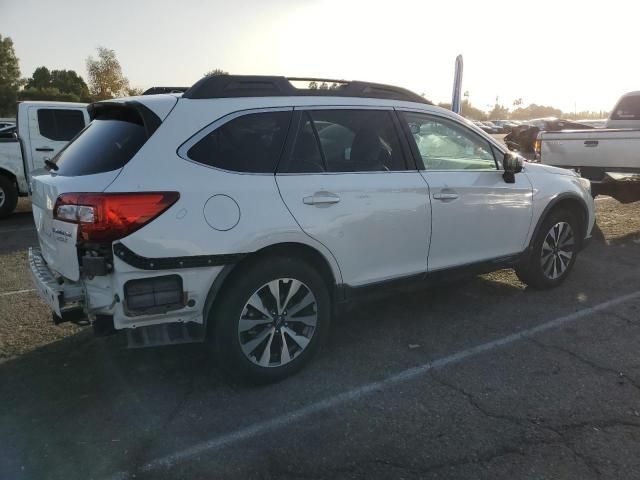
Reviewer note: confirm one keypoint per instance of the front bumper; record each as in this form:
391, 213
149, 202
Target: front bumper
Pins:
65, 299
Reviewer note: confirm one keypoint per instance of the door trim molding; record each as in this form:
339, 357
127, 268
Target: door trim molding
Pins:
430, 278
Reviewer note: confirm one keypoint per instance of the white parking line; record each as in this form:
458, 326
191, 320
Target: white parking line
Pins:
260, 428
17, 292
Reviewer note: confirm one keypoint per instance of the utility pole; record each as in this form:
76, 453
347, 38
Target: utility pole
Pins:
456, 104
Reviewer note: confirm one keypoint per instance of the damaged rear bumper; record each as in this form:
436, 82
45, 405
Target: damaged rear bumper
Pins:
66, 299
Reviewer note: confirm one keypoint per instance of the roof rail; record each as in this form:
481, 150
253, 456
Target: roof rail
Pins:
229, 86
159, 90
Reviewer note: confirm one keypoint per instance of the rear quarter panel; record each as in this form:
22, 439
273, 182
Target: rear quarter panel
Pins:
183, 230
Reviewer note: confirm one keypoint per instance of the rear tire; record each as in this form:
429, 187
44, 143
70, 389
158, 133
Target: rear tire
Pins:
8, 196
553, 252
260, 340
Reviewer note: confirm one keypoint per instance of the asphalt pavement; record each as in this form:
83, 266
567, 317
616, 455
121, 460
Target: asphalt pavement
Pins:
481, 379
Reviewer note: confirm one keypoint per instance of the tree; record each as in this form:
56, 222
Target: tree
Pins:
535, 111
57, 85
48, 94
41, 78
68, 81
9, 77
105, 75
134, 91
517, 102
499, 112
467, 111
216, 71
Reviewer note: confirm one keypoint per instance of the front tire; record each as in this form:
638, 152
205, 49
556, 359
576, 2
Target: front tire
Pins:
8, 196
553, 253
270, 320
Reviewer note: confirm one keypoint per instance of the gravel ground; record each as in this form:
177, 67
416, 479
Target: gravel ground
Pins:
560, 403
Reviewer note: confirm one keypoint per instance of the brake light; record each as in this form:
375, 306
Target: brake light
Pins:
105, 217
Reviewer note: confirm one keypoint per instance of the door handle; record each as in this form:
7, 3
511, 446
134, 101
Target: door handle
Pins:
591, 143
44, 149
445, 196
321, 198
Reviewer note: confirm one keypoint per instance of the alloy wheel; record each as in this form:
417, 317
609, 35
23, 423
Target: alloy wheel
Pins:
277, 322
557, 250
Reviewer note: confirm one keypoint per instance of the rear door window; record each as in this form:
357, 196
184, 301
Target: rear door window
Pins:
60, 125
250, 143
107, 144
346, 141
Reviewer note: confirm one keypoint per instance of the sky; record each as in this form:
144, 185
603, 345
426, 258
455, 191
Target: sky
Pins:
569, 54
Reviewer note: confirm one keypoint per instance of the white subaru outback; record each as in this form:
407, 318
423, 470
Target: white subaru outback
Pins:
246, 210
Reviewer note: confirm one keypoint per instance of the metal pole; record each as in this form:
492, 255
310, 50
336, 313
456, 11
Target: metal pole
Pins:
456, 104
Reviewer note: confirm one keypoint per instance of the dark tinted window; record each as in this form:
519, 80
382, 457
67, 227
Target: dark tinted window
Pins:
60, 125
306, 152
627, 109
250, 143
347, 141
108, 143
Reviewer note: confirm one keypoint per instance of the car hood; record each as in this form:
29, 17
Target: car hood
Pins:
541, 168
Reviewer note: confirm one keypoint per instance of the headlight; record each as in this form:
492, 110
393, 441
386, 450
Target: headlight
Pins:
586, 184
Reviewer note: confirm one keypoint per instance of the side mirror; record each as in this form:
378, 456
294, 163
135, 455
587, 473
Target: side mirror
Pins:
512, 164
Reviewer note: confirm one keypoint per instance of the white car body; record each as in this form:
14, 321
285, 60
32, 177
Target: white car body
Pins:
368, 227
35, 145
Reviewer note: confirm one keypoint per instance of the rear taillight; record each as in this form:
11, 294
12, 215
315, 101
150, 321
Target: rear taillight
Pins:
105, 217
537, 148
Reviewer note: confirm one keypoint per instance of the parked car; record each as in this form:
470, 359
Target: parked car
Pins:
494, 129
8, 132
44, 129
486, 127
479, 124
608, 157
523, 137
245, 212
600, 123
505, 126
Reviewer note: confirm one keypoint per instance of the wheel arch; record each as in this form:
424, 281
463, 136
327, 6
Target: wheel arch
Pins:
9, 174
569, 201
297, 250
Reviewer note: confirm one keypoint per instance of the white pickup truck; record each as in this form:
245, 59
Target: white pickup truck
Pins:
609, 157
43, 129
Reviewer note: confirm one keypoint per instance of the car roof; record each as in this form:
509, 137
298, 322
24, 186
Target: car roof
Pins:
234, 86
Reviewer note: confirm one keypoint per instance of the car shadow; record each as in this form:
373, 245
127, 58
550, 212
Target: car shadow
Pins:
82, 364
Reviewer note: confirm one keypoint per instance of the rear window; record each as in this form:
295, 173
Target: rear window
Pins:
107, 144
251, 143
627, 109
60, 125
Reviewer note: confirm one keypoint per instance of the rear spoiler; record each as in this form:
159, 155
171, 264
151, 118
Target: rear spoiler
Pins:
159, 90
150, 120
